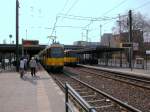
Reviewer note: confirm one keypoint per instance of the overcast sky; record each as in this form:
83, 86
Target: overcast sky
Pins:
37, 18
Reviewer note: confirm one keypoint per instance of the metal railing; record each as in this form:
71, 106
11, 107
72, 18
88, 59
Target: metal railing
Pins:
70, 91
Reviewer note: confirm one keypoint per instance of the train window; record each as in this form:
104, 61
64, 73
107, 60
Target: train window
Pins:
57, 52
47, 52
72, 54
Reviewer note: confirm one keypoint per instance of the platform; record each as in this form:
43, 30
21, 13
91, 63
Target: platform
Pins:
39, 94
137, 72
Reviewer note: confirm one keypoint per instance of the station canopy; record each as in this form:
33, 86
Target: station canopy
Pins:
98, 49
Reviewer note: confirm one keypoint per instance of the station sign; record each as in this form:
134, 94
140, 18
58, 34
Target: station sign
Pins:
125, 45
28, 43
147, 51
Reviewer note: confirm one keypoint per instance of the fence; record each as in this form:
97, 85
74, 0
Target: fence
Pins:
69, 91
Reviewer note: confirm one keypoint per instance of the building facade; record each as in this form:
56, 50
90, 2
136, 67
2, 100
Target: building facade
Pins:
118, 39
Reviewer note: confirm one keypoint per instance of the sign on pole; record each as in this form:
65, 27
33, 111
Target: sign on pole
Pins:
147, 51
126, 45
30, 43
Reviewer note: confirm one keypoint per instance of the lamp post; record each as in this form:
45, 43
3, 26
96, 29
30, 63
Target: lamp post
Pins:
130, 40
17, 35
100, 32
10, 36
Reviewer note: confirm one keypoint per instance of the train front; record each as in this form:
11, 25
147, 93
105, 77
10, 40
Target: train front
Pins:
56, 58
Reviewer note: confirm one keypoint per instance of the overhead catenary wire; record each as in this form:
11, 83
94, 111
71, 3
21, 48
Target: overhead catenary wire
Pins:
53, 29
122, 2
118, 5
143, 5
64, 5
57, 18
75, 2
90, 19
65, 14
78, 27
74, 17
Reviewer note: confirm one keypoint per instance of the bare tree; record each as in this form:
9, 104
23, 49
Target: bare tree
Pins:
139, 22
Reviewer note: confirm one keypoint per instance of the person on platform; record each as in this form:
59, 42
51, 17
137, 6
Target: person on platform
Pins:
25, 64
33, 66
21, 67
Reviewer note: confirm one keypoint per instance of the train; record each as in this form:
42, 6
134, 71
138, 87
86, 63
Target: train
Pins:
52, 57
71, 58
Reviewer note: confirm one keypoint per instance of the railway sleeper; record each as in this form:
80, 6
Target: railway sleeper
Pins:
109, 108
76, 87
100, 103
93, 101
80, 89
104, 106
89, 96
97, 97
86, 93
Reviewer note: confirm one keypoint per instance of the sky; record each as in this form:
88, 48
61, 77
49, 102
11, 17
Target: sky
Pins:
37, 18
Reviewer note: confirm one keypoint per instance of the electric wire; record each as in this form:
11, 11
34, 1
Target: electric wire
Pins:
91, 19
76, 1
143, 5
86, 18
118, 5
53, 29
71, 27
75, 16
64, 5
122, 2
65, 14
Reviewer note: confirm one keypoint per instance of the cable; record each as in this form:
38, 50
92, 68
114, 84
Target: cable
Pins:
57, 17
88, 24
122, 2
88, 18
53, 28
65, 14
143, 5
76, 1
64, 5
71, 27
61, 14
75, 18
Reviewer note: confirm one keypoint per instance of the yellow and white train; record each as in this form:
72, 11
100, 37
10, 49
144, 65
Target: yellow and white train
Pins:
71, 58
52, 57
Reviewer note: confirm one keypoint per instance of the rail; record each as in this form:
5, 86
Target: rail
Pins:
70, 91
125, 105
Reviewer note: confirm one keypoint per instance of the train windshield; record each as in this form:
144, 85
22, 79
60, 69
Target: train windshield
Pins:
57, 52
71, 54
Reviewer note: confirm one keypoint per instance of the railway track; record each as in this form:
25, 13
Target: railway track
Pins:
100, 100
132, 80
133, 92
